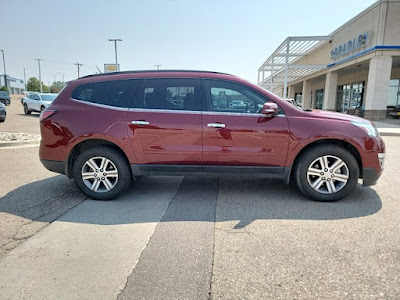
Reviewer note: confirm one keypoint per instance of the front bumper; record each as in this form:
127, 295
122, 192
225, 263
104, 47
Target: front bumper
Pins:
370, 176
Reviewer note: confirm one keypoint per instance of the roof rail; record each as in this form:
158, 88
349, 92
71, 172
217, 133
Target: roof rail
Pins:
149, 71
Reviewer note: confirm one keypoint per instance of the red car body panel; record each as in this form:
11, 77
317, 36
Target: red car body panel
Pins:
170, 138
177, 138
245, 140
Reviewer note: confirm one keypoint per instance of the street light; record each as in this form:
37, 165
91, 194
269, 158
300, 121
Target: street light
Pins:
55, 76
115, 46
5, 72
40, 74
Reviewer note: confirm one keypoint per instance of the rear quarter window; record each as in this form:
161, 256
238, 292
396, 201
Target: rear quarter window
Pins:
117, 93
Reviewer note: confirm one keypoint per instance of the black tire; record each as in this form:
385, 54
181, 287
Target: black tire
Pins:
8, 102
121, 164
26, 110
42, 108
308, 157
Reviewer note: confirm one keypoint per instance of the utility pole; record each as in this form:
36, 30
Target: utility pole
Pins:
158, 66
115, 47
63, 80
5, 72
40, 74
78, 65
25, 80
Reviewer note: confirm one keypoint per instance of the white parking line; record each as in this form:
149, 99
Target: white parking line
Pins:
90, 251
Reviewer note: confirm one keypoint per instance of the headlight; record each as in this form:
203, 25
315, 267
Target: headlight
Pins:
368, 127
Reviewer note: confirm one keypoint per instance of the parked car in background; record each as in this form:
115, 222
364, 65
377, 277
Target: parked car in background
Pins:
104, 129
292, 101
3, 112
37, 102
5, 98
395, 112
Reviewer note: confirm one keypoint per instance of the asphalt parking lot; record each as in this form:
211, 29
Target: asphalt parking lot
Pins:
192, 237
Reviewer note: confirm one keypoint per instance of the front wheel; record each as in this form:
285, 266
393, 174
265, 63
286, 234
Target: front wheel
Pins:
8, 102
26, 110
326, 173
101, 173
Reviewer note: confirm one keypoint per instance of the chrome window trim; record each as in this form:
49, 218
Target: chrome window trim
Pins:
100, 105
214, 113
147, 110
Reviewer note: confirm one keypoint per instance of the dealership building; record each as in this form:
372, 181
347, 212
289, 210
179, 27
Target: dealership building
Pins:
354, 70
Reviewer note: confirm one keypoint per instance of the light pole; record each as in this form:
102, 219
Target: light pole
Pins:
40, 74
55, 76
25, 79
5, 72
115, 47
158, 66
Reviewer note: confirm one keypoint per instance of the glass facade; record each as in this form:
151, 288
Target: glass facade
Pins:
394, 93
350, 98
319, 99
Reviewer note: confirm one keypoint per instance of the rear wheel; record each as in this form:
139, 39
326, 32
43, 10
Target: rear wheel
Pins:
42, 108
326, 173
8, 102
101, 173
26, 110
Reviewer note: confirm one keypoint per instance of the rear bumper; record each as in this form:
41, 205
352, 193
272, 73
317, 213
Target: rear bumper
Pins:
54, 166
370, 176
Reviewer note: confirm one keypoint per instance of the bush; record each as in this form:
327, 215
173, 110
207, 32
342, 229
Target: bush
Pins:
4, 89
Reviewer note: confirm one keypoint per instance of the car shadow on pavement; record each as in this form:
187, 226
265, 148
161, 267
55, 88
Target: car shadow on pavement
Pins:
43, 200
204, 199
249, 199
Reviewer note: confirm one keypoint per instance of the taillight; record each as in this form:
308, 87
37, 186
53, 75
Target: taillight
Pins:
46, 114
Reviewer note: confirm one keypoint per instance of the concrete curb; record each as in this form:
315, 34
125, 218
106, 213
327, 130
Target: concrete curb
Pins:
389, 134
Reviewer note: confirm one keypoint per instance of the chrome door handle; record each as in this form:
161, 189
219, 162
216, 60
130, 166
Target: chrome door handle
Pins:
216, 125
140, 122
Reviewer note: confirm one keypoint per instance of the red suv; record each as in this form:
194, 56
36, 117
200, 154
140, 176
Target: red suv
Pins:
103, 130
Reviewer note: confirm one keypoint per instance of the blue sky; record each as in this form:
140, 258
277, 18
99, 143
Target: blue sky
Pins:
227, 36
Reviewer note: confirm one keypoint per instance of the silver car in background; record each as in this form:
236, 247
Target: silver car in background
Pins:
37, 102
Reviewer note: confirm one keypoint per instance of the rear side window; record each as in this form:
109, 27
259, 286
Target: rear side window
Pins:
169, 94
118, 93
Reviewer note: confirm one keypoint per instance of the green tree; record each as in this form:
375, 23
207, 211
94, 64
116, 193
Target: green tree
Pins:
56, 87
4, 89
33, 85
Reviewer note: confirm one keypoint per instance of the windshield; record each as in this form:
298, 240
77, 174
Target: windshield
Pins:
48, 97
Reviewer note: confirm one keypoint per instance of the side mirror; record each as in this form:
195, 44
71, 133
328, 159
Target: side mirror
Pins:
270, 109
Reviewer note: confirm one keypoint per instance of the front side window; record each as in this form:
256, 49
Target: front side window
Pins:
118, 93
231, 97
169, 94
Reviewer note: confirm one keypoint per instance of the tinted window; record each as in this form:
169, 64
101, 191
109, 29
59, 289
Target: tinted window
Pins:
224, 96
171, 94
117, 93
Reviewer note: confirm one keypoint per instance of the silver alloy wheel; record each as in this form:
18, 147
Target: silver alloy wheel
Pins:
99, 174
328, 174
